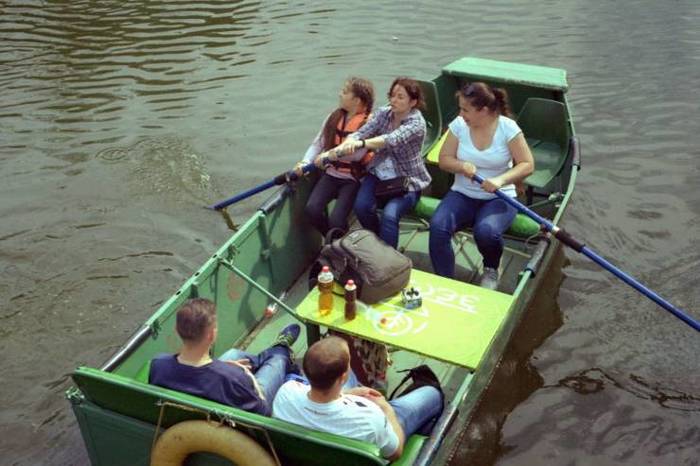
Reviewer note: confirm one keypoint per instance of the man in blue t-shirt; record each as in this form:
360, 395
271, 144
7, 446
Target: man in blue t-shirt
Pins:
239, 379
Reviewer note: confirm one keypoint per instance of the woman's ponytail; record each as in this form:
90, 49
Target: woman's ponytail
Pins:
502, 101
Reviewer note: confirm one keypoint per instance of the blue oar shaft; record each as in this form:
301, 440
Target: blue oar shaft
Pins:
570, 241
640, 287
244, 195
278, 180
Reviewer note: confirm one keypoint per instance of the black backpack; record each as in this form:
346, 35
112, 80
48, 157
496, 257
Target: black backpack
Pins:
419, 376
379, 271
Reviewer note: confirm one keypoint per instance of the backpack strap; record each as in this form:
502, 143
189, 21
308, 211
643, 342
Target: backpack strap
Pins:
421, 376
403, 381
333, 234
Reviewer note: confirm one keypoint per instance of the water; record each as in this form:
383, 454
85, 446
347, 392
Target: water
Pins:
119, 120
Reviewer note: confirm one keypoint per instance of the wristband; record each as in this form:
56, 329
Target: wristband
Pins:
363, 143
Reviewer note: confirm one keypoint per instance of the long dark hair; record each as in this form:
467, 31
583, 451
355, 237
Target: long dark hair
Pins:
412, 89
360, 88
481, 95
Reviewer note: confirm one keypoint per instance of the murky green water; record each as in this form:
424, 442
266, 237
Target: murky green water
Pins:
119, 120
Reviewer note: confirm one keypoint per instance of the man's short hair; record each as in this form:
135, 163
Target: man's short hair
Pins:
325, 361
194, 318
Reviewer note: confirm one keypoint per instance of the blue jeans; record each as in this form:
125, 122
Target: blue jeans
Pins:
490, 218
366, 210
269, 366
414, 410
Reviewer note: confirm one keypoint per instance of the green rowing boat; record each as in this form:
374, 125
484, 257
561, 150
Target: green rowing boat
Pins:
460, 331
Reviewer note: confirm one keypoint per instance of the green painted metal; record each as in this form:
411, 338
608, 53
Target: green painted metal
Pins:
544, 124
505, 72
117, 410
433, 155
431, 113
259, 287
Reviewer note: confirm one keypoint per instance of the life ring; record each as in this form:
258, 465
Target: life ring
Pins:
189, 437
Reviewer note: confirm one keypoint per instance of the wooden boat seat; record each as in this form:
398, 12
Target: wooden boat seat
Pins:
544, 124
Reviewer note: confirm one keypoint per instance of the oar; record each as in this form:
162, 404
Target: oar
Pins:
280, 179
577, 246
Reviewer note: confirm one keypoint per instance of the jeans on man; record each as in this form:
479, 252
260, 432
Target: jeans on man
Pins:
366, 210
414, 410
490, 218
270, 367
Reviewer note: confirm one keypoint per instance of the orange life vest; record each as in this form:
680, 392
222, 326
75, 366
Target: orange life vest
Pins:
344, 128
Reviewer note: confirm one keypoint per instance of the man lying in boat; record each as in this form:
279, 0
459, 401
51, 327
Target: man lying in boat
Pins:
228, 380
359, 412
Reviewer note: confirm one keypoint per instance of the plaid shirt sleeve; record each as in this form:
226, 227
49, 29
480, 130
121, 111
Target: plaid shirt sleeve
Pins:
402, 144
374, 126
411, 131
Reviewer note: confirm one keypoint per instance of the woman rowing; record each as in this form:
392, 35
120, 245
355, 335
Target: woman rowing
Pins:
481, 139
395, 132
341, 178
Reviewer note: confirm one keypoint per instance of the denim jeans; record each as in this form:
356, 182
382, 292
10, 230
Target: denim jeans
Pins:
270, 367
414, 410
328, 188
366, 210
490, 218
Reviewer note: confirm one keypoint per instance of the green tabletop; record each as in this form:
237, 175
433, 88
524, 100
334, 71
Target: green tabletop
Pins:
455, 323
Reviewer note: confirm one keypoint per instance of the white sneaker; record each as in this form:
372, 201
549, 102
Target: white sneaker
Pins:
489, 279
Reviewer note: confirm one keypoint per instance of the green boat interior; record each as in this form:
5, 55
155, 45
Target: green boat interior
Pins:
267, 261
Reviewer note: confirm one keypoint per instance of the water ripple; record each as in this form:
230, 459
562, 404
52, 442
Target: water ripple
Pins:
120, 119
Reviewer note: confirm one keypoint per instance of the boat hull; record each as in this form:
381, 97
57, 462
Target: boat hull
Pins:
119, 413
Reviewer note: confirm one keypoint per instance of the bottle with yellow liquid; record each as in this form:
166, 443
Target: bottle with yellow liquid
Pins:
325, 291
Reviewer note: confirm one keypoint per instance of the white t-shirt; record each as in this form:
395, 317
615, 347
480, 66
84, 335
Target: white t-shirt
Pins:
490, 162
350, 416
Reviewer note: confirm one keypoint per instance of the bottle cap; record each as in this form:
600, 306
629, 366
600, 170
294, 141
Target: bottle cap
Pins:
325, 269
350, 282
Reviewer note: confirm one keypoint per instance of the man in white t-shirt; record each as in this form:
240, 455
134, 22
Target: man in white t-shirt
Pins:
361, 413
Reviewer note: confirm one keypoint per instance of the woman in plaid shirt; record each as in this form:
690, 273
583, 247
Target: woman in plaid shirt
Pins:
395, 133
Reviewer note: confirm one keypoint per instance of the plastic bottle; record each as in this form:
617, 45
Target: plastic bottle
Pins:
325, 291
350, 300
